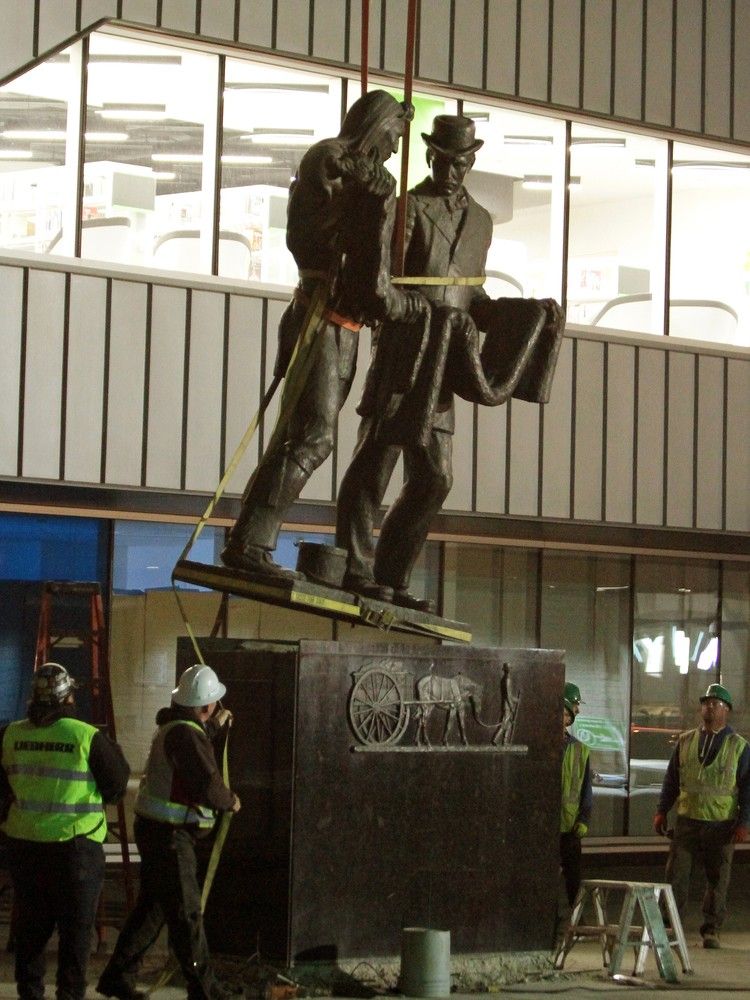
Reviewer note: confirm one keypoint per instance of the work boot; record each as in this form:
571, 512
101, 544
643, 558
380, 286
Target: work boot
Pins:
366, 587
710, 939
256, 561
406, 600
110, 986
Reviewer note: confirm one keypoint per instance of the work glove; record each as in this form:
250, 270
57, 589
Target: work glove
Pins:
660, 824
580, 829
223, 717
739, 834
236, 804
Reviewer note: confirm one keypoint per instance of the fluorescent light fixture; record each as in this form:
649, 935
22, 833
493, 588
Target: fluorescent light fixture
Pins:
710, 165
281, 136
231, 160
681, 649
477, 116
654, 655
605, 142
133, 112
177, 157
16, 154
106, 136
527, 140
645, 163
709, 656
278, 88
41, 135
164, 175
543, 182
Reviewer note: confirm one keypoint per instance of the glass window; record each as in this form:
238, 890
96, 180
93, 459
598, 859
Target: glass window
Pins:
35, 183
675, 650
616, 244
518, 177
710, 249
145, 554
493, 590
586, 611
149, 154
735, 643
271, 116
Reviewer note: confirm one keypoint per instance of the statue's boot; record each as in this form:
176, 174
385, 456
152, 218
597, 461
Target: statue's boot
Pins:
277, 483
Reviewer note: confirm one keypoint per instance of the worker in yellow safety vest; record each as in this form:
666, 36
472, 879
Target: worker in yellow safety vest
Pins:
708, 777
56, 775
577, 798
180, 795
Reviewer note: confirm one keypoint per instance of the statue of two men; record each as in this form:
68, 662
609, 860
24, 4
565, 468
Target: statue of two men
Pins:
426, 347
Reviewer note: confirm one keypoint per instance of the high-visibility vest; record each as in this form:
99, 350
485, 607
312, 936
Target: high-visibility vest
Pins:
708, 792
157, 797
573, 769
55, 795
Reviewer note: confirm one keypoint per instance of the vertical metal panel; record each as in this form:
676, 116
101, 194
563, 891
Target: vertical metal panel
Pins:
140, 11
94, 10
217, 18
597, 55
589, 394
57, 21
392, 35
718, 68
628, 58
178, 14
349, 418
256, 27
127, 344
164, 457
42, 389
459, 497
709, 451
17, 38
434, 30
329, 30
532, 77
491, 459
556, 473
650, 429
243, 382
11, 296
688, 72
619, 440
205, 375
738, 446
468, 43
293, 26
741, 70
566, 51
85, 386
523, 497
658, 96
501, 46
680, 440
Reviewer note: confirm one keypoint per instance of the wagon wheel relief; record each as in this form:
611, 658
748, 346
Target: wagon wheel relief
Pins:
377, 712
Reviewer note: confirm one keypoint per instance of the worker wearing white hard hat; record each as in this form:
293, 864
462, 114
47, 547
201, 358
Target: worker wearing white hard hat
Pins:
180, 796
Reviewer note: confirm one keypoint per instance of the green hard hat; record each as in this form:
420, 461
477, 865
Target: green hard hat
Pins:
717, 691
572, 692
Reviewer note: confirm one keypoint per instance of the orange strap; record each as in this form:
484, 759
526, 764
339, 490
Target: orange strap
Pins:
333, 317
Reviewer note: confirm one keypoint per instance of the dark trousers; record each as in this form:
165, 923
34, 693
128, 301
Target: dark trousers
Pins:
169, 893
55, 886
709, 844
570, 862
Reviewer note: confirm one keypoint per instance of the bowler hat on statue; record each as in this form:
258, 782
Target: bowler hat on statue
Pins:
454, 135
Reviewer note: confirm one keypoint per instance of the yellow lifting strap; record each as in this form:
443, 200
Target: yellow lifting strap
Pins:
426, 280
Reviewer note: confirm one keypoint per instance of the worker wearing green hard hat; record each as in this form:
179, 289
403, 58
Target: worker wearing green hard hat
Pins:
572, 693
708, 778
577, 800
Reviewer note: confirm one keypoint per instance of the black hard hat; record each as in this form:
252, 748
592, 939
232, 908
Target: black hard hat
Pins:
51, 684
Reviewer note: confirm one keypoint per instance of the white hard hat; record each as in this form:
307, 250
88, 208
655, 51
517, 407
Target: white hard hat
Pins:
51, 684
198, 686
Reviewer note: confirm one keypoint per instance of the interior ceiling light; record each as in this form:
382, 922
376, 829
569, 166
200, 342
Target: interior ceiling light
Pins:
42, 135
527, 140
135, 59
543, 182
606, 142
279, 88
240, 160
164, 175
645, 163
710, 165
177, 157
133, 112
478, 116
106, 136
281, 136
16, 154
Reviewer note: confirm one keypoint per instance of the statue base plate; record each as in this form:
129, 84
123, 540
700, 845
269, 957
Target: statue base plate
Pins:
319, 600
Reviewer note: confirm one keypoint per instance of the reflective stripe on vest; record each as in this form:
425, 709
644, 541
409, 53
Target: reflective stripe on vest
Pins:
55, 795
708, 792
573, 769
154, 799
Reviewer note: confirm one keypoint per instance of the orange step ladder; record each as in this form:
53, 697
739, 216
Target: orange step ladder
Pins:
83, 627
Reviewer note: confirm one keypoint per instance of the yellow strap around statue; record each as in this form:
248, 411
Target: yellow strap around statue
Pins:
428, 280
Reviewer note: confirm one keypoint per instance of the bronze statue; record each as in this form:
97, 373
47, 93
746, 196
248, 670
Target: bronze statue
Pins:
417, 367
340, 204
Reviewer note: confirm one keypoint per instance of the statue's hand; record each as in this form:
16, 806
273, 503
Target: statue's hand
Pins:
555, 315
371, 176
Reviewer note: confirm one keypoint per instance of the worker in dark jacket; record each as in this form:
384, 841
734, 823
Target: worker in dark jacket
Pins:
56, 775
180, 795
577, 799
708, 777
